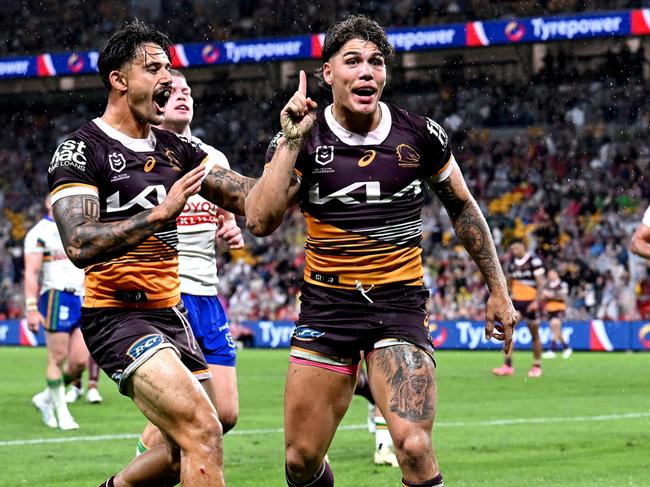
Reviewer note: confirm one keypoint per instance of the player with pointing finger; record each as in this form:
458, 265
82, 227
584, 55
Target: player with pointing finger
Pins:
357, 169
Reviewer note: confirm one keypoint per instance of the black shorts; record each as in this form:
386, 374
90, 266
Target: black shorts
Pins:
559, 314
336, 325
522, 307
120, 340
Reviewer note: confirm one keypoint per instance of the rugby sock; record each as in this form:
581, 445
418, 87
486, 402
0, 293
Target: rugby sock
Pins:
93, 373
553, 346
382, 435
363, 388
508, 361
537, 364
141, 448
57, 393
434, 482
324, 478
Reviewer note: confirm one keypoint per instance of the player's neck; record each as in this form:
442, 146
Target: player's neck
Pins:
178, 128
356, 122
124, 121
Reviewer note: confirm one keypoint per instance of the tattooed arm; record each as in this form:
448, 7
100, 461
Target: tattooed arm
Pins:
88, 241
275, 191
227, 189
473, 232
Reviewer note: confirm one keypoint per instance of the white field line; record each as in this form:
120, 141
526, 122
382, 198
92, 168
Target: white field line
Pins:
439, 424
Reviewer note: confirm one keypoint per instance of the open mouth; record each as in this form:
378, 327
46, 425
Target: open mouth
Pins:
161, 98
364, 91
182, 107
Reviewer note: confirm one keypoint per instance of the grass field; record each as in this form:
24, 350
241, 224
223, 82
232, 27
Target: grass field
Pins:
586, 422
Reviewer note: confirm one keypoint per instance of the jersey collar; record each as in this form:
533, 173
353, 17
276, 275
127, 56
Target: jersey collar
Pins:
375, 137
136, 145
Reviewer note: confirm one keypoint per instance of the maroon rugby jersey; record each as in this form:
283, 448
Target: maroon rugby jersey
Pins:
522, 273
129, 176
361, 195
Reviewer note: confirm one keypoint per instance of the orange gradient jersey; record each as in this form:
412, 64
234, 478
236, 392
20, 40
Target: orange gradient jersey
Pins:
128, 176
523, 273
362, 197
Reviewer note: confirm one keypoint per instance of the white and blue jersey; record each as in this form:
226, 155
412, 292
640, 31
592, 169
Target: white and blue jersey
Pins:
197, 265
61, 282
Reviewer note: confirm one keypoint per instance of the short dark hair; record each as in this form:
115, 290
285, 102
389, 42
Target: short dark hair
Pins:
356, 27
122, 47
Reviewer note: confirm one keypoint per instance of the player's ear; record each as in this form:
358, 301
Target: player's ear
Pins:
327, 73
118, 80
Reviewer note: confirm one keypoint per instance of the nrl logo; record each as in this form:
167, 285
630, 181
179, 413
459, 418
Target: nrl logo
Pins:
324, 154
117, 161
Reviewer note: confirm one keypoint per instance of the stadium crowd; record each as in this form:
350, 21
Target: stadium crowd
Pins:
560, 159
56, 25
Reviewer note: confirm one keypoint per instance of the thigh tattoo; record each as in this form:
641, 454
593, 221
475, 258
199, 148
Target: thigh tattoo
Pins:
410, 375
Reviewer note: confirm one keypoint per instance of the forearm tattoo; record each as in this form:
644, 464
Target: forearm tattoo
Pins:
227, 189
87, 241
410, 375
473, 232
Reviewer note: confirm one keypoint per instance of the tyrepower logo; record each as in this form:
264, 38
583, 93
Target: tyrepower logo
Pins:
238, 52
583, 27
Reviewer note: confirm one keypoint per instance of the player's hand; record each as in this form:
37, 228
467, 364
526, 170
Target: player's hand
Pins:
174, 202
230, 232
298, 115
34, 320
500, 319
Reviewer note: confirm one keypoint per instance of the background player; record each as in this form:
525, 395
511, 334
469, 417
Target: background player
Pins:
118, 184
526, 278
555, 295
359, 167
198, 225
55, 304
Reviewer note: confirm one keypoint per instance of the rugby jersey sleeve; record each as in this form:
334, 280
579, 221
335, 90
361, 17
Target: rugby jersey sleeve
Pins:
438, 161
73, 170
192, 155
646, 217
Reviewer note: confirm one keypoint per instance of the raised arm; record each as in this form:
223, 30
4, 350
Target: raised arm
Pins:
226, 188
473, 232
88, 241
275, 191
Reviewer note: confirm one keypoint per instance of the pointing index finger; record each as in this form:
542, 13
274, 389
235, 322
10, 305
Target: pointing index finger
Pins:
302, 84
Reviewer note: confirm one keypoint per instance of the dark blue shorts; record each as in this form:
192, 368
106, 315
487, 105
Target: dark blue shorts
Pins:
211, 329
61, 310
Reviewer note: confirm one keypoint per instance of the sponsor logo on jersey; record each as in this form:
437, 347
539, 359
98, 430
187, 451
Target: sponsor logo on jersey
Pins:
70, 153
324, 154
144, 344
149, 164
307, 334
117, 161
141, 199
367, 158
350, 195
407, 156
173, 159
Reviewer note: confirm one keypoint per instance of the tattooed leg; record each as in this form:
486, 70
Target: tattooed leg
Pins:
403, 382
